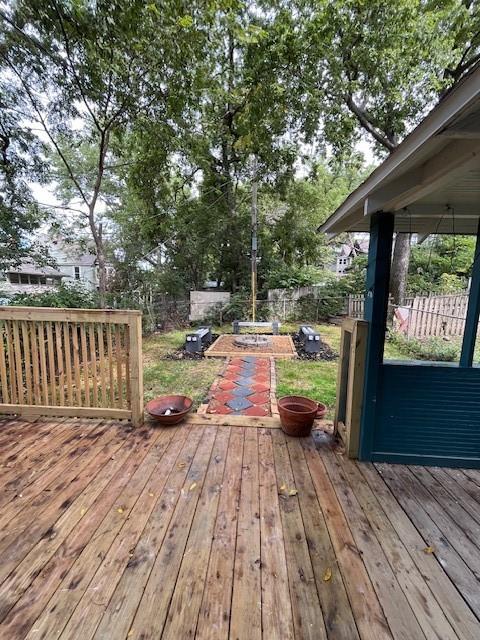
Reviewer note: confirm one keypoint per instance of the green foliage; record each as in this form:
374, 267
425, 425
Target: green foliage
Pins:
239, 307
375, 66
21, 163
433, 348
70, 296
442, 264
156, 110
291, 277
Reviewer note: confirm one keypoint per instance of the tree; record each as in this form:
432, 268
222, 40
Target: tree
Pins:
91, 71
374, 67
21, 155
245, 113
441, 264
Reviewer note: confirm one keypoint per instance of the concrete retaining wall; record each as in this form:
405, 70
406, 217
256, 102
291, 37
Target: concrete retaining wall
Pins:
201, 302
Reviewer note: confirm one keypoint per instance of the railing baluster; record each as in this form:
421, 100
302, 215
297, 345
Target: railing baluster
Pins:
68, 362
101, 356
71, 362
76, 364
93, 361
28, 362
3, 365
51, 364
18, 361
60, 362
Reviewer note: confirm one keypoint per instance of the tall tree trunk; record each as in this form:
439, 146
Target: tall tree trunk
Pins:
97, 228
399, 270
102, 276
97, 234
401, 253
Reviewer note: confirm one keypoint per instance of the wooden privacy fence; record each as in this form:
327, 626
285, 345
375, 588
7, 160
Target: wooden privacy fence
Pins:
423, 316
71, 362
437, 316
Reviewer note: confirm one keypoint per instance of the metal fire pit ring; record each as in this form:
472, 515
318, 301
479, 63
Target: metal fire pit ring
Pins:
253, 341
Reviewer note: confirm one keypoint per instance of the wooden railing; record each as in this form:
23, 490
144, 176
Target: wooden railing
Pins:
71, 362
350, 379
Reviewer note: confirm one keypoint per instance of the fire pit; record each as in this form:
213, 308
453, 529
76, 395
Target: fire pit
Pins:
253, 341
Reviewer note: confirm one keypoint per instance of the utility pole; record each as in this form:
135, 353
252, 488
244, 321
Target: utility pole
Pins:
254, 238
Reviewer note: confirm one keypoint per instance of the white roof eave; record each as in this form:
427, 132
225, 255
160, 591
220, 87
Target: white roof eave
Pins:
421, 142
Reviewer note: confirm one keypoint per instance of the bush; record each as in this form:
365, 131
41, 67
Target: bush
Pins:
66, 295
239, 307
432, 349
287, 277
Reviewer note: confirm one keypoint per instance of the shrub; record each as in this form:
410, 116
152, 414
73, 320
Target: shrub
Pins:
239, 307
432, 349
66, 295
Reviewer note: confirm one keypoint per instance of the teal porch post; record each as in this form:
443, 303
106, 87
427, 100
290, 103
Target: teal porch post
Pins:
376, 307
473, 310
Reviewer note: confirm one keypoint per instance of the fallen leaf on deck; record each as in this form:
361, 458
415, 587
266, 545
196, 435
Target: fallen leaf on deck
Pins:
327, 575
192, 486
83, 512
292, 492
283, 487
180, 465
429, 550
130, 633
120, 509
150, 494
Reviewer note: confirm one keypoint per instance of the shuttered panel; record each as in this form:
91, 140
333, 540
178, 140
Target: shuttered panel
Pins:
428, 414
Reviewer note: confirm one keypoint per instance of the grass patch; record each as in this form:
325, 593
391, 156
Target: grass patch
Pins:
192, 378
316, 379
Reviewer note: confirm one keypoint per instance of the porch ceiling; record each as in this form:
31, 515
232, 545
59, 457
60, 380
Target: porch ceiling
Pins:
432, 181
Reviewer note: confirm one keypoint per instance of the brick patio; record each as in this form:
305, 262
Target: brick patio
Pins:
244, 388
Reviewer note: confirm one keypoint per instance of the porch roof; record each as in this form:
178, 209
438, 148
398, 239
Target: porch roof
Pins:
432, 180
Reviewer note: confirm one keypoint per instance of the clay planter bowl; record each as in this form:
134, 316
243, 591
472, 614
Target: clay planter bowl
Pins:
298, 413
179, 405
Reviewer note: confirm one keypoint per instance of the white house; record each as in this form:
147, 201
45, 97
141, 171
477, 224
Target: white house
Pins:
29, 278
347, 253
72, 264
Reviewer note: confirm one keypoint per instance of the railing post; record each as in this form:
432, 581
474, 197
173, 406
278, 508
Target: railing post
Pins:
136, 368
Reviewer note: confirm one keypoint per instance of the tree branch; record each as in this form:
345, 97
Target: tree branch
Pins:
364, 121
72, 67
46, 129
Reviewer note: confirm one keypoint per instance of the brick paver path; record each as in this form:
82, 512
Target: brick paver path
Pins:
244, 388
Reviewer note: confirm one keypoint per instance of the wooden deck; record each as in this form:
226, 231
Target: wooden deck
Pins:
228, 532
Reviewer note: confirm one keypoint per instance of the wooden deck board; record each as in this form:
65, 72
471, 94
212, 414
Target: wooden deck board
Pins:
223, 532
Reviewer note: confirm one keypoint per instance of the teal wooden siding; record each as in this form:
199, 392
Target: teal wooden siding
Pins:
428, 414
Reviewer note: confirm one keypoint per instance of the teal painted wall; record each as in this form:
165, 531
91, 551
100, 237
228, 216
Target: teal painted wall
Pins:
427, 414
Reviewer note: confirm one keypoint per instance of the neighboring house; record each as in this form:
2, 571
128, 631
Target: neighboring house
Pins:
347, 254
74, 263
29, 278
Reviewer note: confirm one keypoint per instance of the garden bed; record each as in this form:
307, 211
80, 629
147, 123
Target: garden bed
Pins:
325, 353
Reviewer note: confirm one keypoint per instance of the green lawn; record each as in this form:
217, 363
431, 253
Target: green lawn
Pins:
163, 376
316, 379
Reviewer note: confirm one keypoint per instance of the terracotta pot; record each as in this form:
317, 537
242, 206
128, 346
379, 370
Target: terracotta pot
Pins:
297, 414
179, 406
